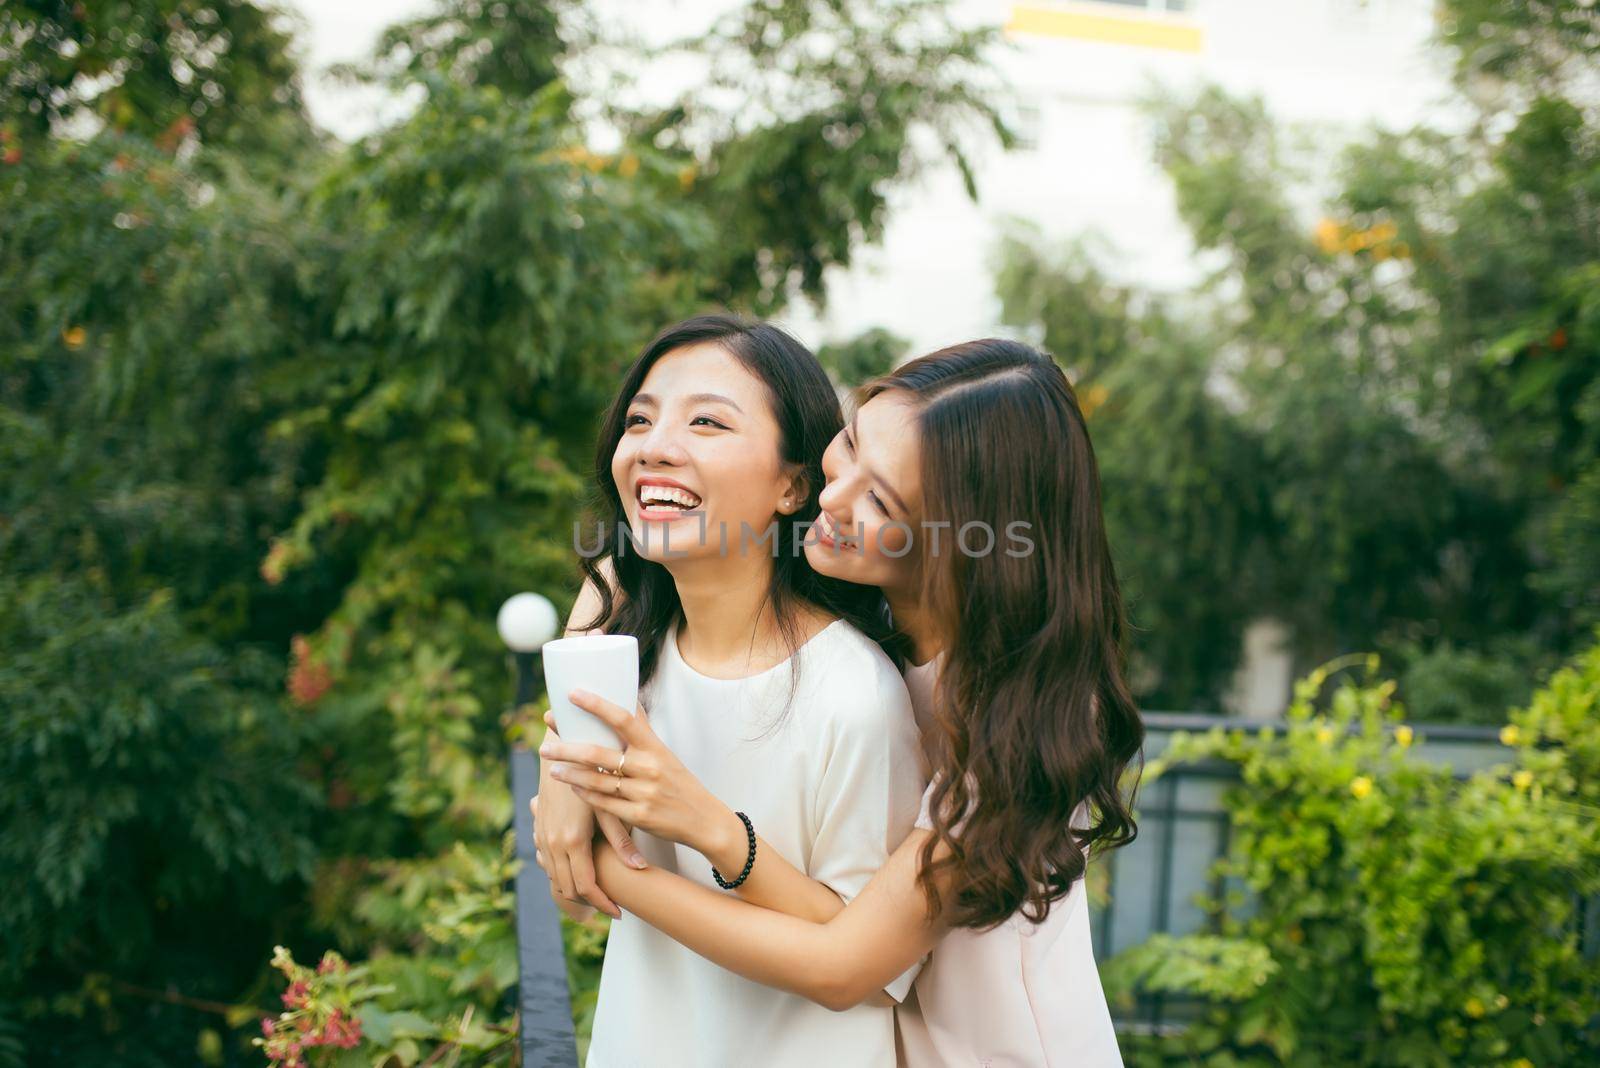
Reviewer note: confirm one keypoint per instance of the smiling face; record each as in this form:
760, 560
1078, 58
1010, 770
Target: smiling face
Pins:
701, 454
872, 501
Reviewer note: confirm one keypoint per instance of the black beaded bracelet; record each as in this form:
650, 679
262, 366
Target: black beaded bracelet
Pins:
750, 832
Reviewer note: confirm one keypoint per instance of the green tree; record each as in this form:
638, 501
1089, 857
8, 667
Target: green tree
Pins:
859, 359
1392, 422
282, 428
217, 71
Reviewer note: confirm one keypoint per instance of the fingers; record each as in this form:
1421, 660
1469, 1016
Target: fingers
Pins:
614, 716
629, 812
610, 785
583, 881
540, 846
561, 876
550, 721
620, 840
589, 756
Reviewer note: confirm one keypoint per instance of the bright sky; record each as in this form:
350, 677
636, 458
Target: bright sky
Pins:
337, 32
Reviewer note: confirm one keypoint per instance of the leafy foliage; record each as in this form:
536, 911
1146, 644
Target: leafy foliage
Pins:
859, 359
168, 70
1399, 915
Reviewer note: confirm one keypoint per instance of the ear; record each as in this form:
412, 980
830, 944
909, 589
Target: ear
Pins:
795, 493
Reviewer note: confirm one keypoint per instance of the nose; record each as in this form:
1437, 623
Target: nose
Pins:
662, 447
835, 500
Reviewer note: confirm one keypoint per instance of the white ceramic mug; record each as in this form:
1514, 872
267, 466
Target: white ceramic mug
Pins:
606, 665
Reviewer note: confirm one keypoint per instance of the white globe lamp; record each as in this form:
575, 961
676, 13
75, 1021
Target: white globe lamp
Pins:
526, 621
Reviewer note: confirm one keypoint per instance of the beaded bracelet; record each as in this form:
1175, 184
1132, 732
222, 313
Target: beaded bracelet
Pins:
750, 832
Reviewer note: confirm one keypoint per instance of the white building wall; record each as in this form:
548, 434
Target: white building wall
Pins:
1338, 65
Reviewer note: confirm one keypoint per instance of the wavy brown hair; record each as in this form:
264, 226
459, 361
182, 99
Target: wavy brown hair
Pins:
1036, 720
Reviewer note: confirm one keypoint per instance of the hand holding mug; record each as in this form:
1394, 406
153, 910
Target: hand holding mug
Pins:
644, 785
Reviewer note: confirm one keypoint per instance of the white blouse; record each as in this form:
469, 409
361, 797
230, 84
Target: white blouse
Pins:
1017, 996
831, 779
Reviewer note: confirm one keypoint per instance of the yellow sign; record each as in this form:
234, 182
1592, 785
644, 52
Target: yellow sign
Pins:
1094, 23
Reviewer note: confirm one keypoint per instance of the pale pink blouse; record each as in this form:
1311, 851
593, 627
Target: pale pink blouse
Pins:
1018, 996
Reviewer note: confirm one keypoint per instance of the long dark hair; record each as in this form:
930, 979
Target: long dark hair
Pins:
1035, 715
644, 600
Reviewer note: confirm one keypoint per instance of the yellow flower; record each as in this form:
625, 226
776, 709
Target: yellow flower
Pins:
1328, 236
74, 336
1092, 398
1522, 1062
629, 165
1522, 779
1510, 734
1361, 786
1474, 1008
1324, 735
1403, 736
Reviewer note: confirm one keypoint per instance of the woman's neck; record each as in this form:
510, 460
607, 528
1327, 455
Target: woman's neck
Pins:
912, 621
729, 628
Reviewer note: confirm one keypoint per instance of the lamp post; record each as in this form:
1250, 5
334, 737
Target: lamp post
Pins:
526, 621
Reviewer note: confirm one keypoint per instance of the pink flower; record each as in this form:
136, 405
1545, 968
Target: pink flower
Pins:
295, 996
267, 1026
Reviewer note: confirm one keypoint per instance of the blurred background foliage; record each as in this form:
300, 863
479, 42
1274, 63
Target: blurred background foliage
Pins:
1398, 914
283, 420
1381, 425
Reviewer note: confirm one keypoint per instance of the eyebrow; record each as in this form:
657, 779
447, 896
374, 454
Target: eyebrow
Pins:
693, 398
855, 432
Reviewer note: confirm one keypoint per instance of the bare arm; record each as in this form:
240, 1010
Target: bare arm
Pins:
838, 964
660, 795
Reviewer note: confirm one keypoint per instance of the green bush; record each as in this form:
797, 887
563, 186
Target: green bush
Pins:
1398, 914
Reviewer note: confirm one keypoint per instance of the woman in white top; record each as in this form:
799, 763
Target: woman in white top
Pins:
1027, 723
753, 674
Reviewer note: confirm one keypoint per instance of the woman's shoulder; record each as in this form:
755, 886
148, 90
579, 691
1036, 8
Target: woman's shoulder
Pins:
854, 680
841, 644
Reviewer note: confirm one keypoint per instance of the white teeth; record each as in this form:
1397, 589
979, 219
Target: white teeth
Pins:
649, 494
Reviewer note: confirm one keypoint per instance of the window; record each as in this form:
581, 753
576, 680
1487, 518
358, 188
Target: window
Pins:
1024, 123
1151, 5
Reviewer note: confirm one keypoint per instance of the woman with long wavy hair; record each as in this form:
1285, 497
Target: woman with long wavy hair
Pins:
966, 489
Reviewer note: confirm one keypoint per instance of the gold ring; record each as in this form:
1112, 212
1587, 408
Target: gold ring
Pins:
618, 791
622, 763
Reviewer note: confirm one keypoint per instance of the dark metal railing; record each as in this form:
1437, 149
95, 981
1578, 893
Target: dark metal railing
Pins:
543, 1002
